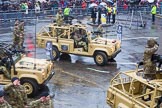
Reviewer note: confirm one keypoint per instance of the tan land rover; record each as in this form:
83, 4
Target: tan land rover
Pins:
130, 90
63, 41
33, 73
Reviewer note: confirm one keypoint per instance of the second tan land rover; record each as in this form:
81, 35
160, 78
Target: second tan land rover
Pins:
101, 49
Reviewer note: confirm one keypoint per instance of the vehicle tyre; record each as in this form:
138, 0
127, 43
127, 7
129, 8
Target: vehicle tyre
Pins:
100, 58
55, 53
31, 87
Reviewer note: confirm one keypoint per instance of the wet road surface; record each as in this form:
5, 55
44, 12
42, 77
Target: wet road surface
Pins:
79, 82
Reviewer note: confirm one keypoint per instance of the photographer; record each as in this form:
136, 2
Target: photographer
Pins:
149, 65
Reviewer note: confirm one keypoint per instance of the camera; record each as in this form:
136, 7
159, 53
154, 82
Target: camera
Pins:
157, 58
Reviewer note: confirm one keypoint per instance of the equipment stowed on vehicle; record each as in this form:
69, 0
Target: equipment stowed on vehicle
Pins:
33, 73
64, 40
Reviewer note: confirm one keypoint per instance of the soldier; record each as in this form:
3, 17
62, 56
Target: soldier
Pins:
21, 41
100, 30
149, 65
17, 93
3, 103
3, 68
44, 102
78, 40
16, 33
59, 17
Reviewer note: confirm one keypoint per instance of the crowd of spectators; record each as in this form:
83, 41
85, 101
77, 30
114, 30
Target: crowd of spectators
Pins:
46, 4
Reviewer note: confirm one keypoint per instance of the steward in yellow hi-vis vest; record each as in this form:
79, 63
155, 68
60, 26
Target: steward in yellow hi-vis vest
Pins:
153, 12
113, 14
109, 12
66, 14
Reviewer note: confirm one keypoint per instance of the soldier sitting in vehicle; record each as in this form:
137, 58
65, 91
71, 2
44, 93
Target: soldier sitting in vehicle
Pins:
78, 39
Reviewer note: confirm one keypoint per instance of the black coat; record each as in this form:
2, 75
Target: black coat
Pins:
93, 13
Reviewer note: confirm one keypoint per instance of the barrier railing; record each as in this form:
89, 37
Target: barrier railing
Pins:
74, 12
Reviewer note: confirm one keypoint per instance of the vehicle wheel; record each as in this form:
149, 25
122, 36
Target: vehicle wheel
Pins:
65, 57
31, 87
55, 53
100, 58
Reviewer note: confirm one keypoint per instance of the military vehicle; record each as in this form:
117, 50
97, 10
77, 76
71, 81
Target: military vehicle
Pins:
63, 41
33, 73
130, 90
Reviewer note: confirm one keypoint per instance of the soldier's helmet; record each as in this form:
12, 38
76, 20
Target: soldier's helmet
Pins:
151, 42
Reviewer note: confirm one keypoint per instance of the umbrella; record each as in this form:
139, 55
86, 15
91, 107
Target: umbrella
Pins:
103, 4
150, 1
92, 5
110, 1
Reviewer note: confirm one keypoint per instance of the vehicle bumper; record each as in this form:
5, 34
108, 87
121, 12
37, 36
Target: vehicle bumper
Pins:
49, 77
115, 53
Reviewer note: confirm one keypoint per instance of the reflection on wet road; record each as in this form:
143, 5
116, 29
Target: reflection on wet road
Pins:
78, 82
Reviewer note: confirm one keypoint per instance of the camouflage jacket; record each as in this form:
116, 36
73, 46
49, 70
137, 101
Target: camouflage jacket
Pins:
39, 104
149, 52
5, 105
59, 19
17, 95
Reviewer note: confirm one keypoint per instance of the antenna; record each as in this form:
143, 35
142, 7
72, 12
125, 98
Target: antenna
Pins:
35, 41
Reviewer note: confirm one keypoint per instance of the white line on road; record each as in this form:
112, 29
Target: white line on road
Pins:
98, 70
140, 38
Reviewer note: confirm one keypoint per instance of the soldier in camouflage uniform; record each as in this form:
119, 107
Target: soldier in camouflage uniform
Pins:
100, 30
59, 17
16, 33
78, 40
3, 68
149, 65
21, 35
17, 93
44, 102
3, 103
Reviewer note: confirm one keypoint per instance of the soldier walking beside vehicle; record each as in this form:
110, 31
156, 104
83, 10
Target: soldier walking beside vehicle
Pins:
16, 32
44, 102
3, 102
21, 35
17, 93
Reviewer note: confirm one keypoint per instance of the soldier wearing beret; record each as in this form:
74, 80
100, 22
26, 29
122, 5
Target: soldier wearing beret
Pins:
17, 93
43, 102
3, 103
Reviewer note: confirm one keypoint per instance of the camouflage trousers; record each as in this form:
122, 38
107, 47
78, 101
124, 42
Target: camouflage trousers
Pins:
5, 71
21, 42
149, 71
83, 44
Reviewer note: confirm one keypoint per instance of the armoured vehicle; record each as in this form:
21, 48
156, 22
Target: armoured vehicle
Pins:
130, 90
63, 41
33, 73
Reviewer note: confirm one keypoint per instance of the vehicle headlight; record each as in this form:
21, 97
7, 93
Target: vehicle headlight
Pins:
43, 74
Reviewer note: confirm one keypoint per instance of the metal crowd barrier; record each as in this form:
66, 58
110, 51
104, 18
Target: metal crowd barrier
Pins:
43, 13
74, 12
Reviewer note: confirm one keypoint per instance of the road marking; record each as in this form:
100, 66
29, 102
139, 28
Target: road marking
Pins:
80, 77
140, 38
123, 63
98, 70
